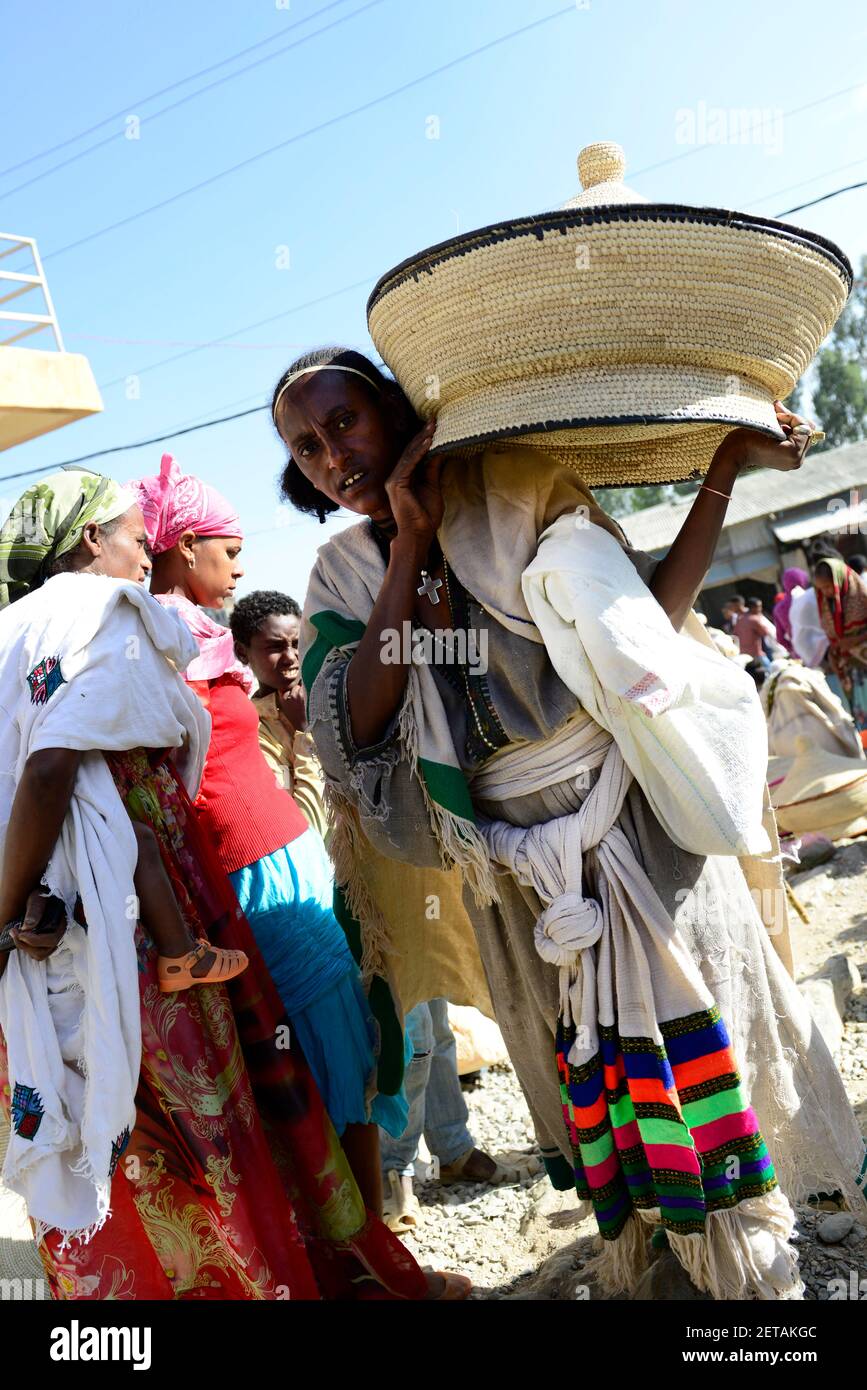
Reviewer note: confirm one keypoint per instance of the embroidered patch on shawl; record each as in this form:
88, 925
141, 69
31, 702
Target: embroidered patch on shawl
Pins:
44, 679
650, 694
27, 1111
117, 1149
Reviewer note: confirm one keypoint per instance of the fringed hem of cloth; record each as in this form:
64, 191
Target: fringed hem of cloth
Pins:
662, 1134
741, 1254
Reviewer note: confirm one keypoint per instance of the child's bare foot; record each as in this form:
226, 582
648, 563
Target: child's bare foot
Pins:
202, 965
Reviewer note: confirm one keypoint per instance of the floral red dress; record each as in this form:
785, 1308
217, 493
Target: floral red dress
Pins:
233, 1184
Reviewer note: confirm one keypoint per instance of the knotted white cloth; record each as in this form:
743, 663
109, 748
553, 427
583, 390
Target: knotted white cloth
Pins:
549, 857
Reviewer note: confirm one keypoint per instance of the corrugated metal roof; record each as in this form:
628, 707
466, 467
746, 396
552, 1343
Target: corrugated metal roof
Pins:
820, 519
756, 494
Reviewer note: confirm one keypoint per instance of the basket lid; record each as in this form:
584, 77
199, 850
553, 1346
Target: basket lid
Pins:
601, 168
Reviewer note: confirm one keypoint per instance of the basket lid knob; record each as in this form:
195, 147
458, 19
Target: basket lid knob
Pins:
601, 168
604, 162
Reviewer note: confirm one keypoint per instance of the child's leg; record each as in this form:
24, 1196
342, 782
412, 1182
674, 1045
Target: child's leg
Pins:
361, 1146
158, 907
159, 911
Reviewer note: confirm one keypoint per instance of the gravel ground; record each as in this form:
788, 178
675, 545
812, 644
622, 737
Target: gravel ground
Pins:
494, 1234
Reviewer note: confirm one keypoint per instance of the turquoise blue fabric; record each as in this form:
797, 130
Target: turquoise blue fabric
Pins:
287, 899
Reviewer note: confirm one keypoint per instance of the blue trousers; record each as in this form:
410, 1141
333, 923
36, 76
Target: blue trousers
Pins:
436, 1103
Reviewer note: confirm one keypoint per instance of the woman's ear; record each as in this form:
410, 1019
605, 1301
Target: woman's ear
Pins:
185, 547
90, 541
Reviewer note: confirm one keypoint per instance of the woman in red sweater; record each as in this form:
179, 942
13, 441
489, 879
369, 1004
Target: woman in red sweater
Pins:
276, 862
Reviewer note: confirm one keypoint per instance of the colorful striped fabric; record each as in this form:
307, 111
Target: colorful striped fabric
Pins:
665, 1127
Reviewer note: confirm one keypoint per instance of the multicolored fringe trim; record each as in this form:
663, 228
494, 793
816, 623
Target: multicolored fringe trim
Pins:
664, 1127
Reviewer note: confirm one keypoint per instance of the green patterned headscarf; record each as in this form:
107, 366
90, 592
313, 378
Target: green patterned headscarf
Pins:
48, 521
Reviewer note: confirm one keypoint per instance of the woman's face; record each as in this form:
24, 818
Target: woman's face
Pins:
344, 439
121, 552
216, 571
823, 582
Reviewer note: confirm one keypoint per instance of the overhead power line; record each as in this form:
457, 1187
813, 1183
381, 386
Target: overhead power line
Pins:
824, 199
247, 328
191, 96
312, 130
757, 125
164, 91
126, 448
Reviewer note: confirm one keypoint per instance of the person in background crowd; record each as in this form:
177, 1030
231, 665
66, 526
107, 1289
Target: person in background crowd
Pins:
843, 613
722, 639
265, 626
730, 611
438, 1110
795, 583
277, 864
750, 627
798, 702
758, 670
809, 642
858, 563
770, 646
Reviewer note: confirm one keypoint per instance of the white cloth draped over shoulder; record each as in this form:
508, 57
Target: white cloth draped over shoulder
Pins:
688, 722
92, 664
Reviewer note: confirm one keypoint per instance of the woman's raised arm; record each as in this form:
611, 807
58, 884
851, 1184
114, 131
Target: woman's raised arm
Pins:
679, 576
374, 688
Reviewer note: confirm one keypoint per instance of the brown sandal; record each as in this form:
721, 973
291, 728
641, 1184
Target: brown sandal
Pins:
175, 972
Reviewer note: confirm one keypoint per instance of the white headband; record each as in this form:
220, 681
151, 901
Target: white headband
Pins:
324, 367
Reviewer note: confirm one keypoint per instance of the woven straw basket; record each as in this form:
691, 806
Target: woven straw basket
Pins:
627, 336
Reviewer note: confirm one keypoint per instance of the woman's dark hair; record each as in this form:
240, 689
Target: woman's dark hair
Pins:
823, 569
822, 550
294, 487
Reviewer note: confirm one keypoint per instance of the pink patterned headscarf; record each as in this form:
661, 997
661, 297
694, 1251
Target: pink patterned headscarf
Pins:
175, 502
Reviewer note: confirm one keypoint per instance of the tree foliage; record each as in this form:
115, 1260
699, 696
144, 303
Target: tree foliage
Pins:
840, 380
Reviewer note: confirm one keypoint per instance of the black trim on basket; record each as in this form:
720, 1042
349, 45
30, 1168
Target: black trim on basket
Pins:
566, 220
473, 441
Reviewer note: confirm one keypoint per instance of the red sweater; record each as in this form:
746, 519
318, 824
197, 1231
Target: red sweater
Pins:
240, 805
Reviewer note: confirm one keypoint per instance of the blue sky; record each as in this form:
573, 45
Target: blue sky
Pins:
343, 204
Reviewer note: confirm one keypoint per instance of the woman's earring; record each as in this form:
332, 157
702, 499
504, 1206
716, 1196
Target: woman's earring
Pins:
192, 562
320, 512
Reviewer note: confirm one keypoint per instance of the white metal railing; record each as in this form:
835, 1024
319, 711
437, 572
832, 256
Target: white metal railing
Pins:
24, 284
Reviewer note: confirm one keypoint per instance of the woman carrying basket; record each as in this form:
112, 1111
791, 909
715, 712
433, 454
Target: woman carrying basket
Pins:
637, 985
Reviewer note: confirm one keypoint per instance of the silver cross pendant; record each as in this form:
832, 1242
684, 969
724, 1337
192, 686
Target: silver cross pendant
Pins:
429, 587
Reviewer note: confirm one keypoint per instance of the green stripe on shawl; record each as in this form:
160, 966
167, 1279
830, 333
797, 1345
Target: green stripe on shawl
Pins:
333, 630
446, 785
